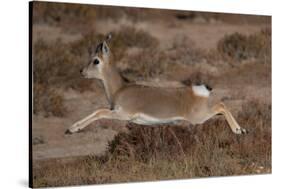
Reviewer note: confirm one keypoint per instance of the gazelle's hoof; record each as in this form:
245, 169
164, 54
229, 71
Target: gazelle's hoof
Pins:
68, 132
240, 131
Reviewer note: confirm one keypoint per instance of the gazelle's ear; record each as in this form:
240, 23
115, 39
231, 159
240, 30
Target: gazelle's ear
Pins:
108, 37
105, 48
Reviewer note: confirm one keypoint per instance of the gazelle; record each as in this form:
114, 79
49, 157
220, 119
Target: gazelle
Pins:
148, 105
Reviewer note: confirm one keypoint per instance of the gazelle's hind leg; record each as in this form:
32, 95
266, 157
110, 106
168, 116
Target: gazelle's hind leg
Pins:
221, 109
98, 114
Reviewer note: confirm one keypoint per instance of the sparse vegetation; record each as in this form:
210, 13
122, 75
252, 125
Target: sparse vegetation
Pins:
55, 67
173, 152
122, 40
156, 62
153, 64
64, 15
47, 101
241, 47
132, 37
183, 51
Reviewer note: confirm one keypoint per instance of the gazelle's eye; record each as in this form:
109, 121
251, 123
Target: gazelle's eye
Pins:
96, 61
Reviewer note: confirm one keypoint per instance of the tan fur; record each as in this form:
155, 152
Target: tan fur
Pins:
147, 105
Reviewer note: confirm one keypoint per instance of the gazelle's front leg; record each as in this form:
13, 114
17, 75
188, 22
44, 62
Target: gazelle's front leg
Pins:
98, 114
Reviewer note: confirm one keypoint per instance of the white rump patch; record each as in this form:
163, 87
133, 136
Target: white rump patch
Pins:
200, 90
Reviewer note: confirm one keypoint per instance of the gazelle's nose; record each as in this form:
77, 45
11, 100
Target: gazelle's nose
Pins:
81, 71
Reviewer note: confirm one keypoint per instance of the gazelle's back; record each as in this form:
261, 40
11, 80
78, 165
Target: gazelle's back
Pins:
152, 101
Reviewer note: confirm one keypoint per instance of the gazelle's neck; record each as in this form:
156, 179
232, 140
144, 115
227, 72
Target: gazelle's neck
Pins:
112, 82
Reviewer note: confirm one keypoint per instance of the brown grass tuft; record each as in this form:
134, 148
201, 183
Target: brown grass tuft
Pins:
146, 143
64, 15
47, 101
55, 67
147, 63
132, 37
172, 152
241, 47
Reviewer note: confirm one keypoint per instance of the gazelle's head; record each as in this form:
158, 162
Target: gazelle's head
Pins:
99, 60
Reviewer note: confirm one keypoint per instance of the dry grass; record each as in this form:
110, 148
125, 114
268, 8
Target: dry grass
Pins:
172, 152
122, 40
150, 61
241, 47
64, 15
54, 66
153, 64
47, 101
183, 51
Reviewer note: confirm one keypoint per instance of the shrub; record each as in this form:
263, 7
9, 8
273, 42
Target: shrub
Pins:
146, 143
241, 47
55, 67
145, 64
132, 37
153, 62
64, 14
256, 116
121, 40
183, 51
47, 101
234, 46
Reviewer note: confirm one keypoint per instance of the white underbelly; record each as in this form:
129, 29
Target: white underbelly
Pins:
143, 119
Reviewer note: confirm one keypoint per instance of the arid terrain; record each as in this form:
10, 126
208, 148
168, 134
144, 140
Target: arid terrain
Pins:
231, 53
